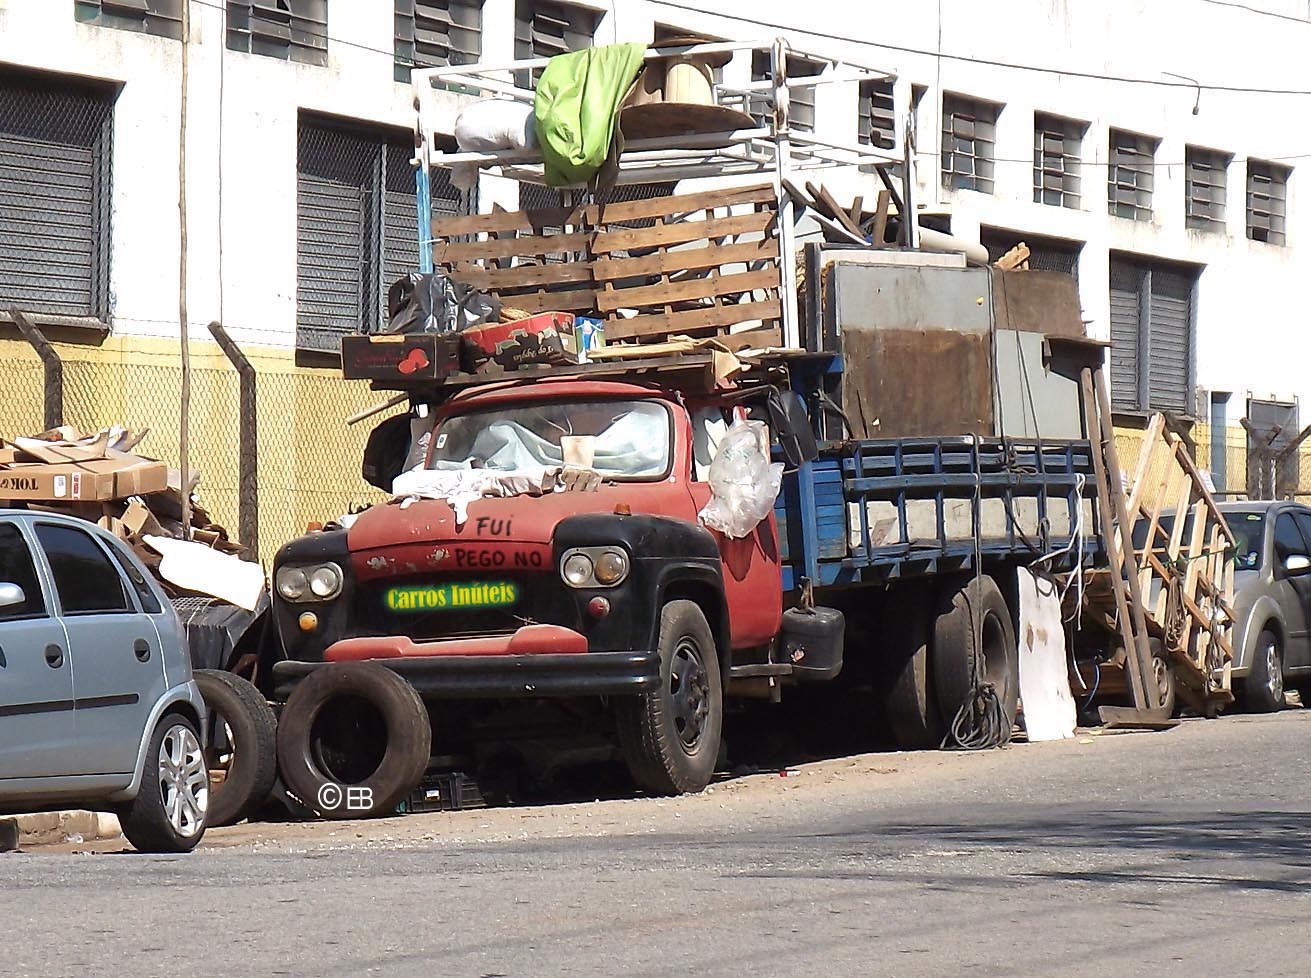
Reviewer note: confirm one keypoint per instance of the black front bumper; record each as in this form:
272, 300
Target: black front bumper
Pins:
503, 676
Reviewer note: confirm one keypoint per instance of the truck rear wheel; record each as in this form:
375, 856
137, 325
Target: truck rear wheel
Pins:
974, 641
670, 736
909, 698
353, 740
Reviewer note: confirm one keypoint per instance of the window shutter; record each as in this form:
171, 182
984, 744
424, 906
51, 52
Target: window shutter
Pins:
1126, 306
55, 150
1170, 329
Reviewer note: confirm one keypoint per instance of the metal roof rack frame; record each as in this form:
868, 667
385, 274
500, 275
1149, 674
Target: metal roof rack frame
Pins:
774, 149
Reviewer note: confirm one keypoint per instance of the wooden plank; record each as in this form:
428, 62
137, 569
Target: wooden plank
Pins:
881, 219
1014, 258
521, 276
662, 324
530, 245
534, 302
529, 220
683, 232
665, 262
633, 210
1151, 437
840, 215
667, 293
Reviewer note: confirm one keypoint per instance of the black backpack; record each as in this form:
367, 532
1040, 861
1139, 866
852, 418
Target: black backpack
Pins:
385, 451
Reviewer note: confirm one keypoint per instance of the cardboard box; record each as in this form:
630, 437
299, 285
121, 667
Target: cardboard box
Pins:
506, 346
106, 478
400, 357
138, 478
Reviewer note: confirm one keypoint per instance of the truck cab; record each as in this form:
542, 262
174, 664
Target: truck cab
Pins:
611, 590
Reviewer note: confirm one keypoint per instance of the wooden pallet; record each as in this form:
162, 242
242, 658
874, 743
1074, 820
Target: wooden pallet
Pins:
1184, 567
695, 264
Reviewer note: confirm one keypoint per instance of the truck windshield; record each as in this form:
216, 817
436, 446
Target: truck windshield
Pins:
619, 439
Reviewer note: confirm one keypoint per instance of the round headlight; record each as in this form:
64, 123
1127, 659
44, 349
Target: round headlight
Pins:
325, 582
611, 567
577, 570
292, 583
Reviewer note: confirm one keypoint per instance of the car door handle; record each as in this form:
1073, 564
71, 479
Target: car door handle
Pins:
54, 656
142, 649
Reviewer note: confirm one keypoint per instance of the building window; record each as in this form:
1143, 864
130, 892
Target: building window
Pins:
1152, 316
436, 33
56, 146
544, 29
1045, 254
162, 17
1129, 176
801, 99
969, 140
1267, 201
878, 126
295, 30
1204, 187
356, 226
1056, 152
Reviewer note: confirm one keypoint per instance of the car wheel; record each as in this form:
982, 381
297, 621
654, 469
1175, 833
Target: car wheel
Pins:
168, 813
241, 750
353, 740
670, 736
1263, 690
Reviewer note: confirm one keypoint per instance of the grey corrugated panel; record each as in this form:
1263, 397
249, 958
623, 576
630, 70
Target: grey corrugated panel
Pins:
1170, 323
1126, 285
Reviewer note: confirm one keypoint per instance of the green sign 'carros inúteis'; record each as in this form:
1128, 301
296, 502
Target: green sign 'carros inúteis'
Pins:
453, 597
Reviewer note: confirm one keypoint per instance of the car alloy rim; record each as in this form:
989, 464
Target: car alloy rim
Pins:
1274, 674
183, 780
689, 690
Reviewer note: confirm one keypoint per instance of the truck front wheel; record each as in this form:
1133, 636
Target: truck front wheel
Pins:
670, 736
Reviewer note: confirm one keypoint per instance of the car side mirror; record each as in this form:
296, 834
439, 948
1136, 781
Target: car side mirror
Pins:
1296, 564
10, 595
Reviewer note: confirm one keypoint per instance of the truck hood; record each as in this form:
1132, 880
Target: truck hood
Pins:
515, 519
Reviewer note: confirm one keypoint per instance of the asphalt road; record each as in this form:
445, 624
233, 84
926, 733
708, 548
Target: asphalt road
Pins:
1182, 853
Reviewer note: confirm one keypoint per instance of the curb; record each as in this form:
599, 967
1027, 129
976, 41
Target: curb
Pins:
55, 828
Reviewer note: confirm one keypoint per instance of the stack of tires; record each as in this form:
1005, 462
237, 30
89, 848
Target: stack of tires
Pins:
944, 639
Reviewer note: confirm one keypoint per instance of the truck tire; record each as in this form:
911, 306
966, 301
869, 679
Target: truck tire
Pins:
240, 743
168, 813
353, 740
670, 736
973, 637
909, 699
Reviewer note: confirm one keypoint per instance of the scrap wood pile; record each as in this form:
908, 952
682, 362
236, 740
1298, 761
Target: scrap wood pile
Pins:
99, 478
1184, 560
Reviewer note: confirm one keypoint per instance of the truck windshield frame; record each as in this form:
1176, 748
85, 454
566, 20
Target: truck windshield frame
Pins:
634, 436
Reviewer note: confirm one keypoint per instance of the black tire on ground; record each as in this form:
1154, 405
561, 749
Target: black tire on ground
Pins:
670, 736
353, 740
1164, 675
973, 635
241, 745
148, 821
909, 701
1263, 689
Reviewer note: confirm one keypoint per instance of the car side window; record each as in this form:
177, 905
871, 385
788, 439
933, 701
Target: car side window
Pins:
87, 582
139, 583
1304, 524
16, 567
1288, 539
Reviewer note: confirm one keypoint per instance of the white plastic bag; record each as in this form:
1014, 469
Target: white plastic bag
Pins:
743, 481
494, 123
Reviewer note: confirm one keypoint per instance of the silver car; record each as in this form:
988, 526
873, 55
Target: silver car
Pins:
98, 708
1272, 599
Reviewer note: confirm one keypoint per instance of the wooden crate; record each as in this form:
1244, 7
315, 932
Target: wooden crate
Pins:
692, 264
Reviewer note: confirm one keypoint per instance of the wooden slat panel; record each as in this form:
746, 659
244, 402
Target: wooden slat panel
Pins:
529, 245
521, 276
632, 210
693, 319
607, 242
606, 269
666, 293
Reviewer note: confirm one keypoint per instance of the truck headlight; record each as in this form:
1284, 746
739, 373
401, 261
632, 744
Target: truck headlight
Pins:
594, 567
319, 582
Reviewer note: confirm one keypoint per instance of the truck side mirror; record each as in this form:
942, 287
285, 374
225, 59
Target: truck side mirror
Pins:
10, 595
791, 424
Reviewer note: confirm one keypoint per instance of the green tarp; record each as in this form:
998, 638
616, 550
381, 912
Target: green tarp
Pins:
577, 105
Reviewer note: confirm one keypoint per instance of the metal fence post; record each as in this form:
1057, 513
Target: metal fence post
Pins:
248, 445
54, 369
